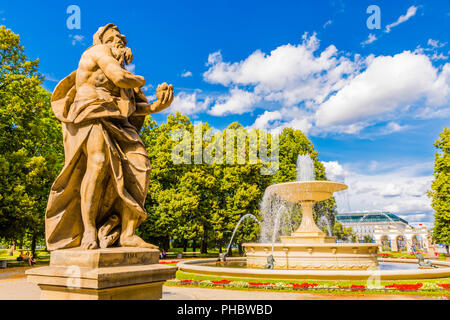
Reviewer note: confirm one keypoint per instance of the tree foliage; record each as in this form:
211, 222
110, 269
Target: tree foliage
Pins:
30, 142
440, 189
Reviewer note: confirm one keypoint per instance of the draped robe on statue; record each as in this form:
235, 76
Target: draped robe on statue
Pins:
128, 168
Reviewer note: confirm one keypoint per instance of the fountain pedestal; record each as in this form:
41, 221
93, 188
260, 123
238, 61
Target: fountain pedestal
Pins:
309, 248
308, 232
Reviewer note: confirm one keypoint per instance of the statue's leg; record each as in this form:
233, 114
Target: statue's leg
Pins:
137, 177
91, 186
129, 224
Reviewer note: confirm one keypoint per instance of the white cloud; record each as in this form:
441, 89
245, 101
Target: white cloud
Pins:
326, 24
372, 38
50, 77
410, 13
392, 127
433, 50
387, 84
289, 75
263, 121
76, 39
131, 67
188, 103
327, 91
236, 102
147, 87
334, 171
401, 190
186, 74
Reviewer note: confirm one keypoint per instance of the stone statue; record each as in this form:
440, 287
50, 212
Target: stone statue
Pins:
270, 262
422, 262
98, 198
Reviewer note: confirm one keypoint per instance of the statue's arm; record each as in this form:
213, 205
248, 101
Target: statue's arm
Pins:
113, 70
165, 96
143, 109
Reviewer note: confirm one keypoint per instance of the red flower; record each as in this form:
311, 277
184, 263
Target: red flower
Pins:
304, 285
444, 285
224, 281
354, 287
405, 286
189, 281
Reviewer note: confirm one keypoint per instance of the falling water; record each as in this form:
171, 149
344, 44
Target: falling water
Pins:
248, 215
305, 168
325, 220
278, 216
276, 226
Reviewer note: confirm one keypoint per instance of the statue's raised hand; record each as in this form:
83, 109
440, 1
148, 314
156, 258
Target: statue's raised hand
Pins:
164, 94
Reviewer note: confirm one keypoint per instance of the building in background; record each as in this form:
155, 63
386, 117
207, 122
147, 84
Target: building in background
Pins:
390, 231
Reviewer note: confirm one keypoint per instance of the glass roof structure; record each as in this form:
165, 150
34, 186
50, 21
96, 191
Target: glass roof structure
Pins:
360, 217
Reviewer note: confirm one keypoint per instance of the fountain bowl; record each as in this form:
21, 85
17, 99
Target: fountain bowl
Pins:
299, 191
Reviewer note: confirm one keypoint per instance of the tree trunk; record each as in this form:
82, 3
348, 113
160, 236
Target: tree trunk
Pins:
204, 247
194, 245
166, 243
220, 248
184, 245
241, 251
33, 244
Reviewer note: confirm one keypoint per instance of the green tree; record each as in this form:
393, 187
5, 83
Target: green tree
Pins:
31, 152
241, 187
168, 211
440, 189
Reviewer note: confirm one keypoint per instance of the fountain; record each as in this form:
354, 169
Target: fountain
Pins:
309, 247
308, 253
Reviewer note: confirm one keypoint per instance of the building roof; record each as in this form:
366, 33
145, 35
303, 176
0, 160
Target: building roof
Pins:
355, 217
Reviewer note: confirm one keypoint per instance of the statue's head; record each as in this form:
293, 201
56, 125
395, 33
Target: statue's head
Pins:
110, 36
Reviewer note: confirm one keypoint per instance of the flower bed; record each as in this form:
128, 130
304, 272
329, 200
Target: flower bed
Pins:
225, 283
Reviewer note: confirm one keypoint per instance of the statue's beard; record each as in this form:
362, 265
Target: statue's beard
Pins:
123, 55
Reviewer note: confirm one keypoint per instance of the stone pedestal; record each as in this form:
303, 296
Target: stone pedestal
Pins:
102, 274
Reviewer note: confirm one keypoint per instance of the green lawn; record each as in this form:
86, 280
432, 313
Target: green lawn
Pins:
398, 254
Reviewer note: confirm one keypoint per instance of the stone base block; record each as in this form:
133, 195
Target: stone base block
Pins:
103, 274
317, 256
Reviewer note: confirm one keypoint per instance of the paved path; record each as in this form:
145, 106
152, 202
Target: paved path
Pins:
18, 289
13, 286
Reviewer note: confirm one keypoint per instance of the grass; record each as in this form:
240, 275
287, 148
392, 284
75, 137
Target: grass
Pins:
398, 254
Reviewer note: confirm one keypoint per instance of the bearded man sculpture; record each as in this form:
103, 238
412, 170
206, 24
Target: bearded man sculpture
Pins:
98, 198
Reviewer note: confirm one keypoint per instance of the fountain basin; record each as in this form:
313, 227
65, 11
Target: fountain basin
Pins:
313, 256
298, 191
201, 267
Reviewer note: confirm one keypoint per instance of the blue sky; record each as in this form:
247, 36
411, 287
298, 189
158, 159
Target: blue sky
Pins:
372, 101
